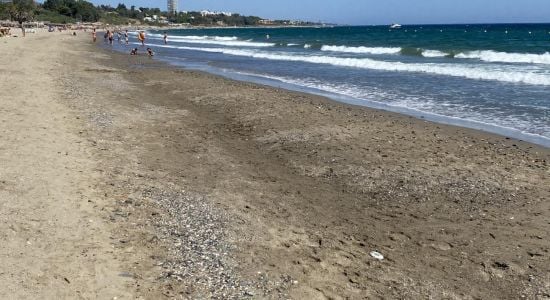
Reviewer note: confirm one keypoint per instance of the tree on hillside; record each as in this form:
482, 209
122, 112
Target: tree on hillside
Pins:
122, 10
85, 11
4, 11
21, 11
52, 5
133, 13
80, 10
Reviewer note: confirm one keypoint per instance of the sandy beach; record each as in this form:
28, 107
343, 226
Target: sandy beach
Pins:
124, 177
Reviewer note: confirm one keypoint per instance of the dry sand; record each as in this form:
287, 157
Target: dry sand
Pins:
122, 177
55, 241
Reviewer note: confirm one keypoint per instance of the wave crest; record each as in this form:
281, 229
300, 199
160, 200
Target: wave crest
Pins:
212, 40
384, 50
494, 56
475, 72
361, 49
434, 53
196, 37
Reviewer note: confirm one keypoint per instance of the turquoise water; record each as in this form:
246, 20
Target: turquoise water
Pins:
490, 77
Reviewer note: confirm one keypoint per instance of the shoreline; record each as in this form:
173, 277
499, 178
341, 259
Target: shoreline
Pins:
284, 164
505, 132
489, 128
206, 187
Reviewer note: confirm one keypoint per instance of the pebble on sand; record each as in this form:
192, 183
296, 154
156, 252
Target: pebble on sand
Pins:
377, 255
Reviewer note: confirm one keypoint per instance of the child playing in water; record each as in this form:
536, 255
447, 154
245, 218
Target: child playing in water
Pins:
150, 52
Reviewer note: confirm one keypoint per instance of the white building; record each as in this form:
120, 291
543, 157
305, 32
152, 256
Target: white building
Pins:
205, 13
173, 6
151, 18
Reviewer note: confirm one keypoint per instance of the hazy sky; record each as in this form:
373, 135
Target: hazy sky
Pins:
372, 11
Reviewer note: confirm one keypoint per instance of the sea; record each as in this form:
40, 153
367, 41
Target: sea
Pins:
492, 77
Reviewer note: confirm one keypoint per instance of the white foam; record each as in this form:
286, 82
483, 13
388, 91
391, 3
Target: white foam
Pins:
213, 40
225, 38
362, 49
378, 50
222, 42
195, 37
292, 44
494, 56
461, 112
307, 46
478, 72
433, 53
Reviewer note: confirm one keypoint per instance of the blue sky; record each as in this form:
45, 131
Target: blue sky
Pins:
372, 11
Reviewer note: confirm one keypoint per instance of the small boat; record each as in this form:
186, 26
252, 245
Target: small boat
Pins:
395, 26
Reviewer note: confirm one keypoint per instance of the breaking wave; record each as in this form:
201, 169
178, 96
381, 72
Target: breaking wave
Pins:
476, 72
494, 56
195, 37
384, 50
434, 53
366, 50
482, 55
213, 40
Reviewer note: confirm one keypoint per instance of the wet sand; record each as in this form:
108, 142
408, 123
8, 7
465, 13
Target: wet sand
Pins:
213, 188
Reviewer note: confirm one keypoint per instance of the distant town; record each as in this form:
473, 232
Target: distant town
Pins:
80, 11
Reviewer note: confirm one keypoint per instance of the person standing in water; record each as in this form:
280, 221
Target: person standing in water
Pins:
126, 36
94, 36
165, 38
110, 37
141, 37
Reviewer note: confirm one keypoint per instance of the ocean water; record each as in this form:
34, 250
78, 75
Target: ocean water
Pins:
490, 77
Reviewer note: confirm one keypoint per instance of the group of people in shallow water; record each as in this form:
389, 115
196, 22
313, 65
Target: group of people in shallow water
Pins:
109, 37
149, 52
